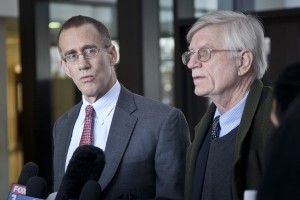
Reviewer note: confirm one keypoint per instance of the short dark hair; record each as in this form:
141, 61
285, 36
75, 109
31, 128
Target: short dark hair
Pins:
80, 20
287, 88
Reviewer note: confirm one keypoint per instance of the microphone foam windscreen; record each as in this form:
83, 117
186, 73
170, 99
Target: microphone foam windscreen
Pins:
87, 163
29, 170
36, 187
91, 191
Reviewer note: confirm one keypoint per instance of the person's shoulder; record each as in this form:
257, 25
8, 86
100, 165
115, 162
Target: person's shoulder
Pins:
267, 93
150, 103
140, 100
261, 91
73, 110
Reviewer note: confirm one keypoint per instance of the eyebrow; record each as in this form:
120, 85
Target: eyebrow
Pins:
72, 51
87, 46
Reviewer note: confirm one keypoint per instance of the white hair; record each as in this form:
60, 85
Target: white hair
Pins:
241, 31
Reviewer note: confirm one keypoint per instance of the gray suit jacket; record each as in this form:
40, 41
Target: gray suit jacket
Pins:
145, 150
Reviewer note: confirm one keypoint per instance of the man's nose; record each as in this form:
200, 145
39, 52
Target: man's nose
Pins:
82, 62
193, 62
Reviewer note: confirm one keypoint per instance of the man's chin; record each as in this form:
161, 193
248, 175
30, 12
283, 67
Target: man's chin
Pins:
200, 93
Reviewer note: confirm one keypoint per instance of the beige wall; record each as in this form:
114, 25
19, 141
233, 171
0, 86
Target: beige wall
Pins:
10, 156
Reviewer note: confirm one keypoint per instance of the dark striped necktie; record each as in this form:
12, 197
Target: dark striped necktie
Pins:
215, 128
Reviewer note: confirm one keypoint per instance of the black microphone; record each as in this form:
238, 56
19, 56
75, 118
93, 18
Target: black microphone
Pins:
36, 187
91, 191
29, 170
35, 190
87, 163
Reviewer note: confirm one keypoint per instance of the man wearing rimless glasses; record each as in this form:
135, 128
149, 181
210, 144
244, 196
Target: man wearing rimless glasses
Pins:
226, 58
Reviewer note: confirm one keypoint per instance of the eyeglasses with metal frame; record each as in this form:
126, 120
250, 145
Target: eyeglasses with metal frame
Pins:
203, 54
89, 53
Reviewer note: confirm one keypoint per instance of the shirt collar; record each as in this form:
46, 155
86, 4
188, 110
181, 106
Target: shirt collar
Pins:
232, 118
105, 104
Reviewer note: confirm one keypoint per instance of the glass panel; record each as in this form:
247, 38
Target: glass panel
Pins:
166, 43
275, 4
167, 69
203, 6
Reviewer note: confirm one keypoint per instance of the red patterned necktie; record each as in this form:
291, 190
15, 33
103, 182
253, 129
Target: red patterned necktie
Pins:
87, 133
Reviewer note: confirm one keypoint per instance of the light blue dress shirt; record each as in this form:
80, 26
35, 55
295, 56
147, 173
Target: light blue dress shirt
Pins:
232, 118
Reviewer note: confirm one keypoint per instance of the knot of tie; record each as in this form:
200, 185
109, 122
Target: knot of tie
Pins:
89, 111
215, 128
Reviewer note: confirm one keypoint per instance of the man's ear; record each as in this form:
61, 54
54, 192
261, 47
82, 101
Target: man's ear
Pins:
245, 62
65, 68
113, 55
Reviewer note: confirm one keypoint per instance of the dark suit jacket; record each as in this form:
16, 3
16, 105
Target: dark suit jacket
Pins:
252, 135
145, 150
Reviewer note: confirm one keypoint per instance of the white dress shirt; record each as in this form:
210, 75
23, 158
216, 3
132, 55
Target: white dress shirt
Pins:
104, 111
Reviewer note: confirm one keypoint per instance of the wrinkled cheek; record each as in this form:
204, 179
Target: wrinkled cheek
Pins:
77, 83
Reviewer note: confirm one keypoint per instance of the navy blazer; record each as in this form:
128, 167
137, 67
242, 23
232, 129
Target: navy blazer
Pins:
145, 150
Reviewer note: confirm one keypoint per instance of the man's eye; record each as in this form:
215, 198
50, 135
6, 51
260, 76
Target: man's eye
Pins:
89, 51
71, 56
202, 52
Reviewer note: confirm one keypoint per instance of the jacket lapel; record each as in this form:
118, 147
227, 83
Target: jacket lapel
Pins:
64, 137
251, 106
121, 129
